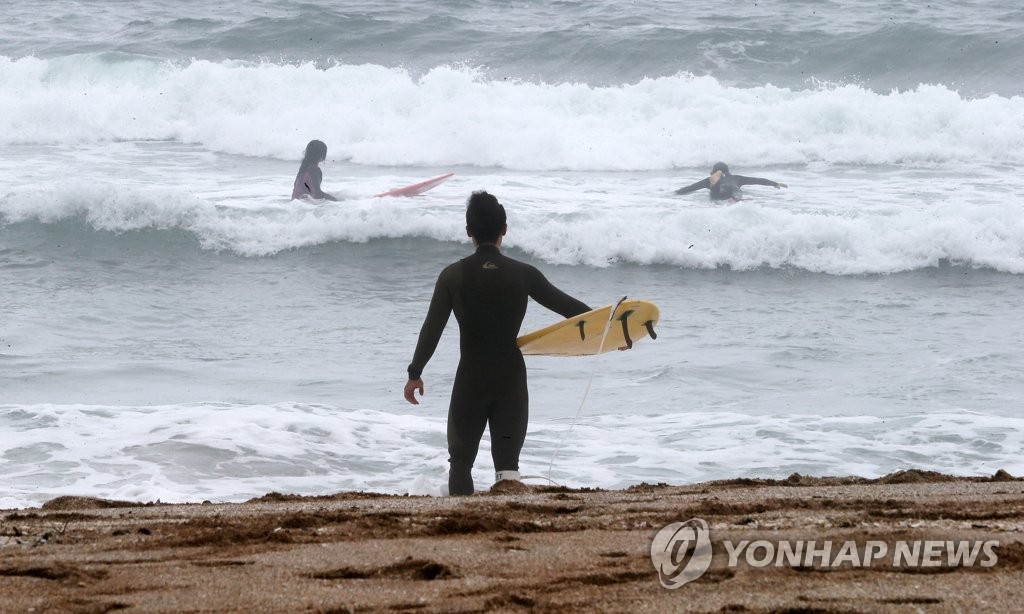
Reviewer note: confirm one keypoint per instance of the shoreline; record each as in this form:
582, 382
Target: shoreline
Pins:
530, 548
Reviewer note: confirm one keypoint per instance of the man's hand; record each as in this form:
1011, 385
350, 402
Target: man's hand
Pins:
411, 387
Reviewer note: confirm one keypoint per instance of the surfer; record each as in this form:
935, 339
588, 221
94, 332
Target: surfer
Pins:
488, 292
726, 186
307, 180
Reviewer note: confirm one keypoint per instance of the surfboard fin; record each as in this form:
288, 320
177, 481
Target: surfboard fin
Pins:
583, 335
649, 325
625, 327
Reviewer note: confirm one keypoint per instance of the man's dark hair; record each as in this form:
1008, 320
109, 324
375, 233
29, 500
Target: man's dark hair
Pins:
485, 217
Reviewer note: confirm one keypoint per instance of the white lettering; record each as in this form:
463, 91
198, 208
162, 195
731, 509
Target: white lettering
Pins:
932, 554
962, 553
769, 553
880, 550
847, 554
734, 551
823, 554
990, 555
927, 553
791, 555
904, 553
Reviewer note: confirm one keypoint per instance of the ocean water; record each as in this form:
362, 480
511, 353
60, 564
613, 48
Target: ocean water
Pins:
173, 328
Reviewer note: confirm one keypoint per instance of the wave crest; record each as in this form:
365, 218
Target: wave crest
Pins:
746, 236
454, 115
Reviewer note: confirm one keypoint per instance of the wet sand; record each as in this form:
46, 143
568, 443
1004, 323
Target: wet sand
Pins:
517, 548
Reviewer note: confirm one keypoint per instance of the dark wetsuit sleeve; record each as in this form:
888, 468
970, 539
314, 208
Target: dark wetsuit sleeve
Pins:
703, 184
433, 325
741, 180
545, 293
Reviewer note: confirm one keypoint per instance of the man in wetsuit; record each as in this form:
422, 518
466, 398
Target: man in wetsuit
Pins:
726, 186
488, 292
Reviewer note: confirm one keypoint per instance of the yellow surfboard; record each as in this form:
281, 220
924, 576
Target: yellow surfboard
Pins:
583, 335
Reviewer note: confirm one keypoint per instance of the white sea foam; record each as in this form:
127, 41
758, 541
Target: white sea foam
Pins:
227, 452
103, 141
374, 115
599, 224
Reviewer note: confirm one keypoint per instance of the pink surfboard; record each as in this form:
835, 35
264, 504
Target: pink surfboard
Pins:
417, 188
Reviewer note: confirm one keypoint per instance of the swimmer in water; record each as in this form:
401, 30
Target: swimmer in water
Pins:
307, 180
726, 186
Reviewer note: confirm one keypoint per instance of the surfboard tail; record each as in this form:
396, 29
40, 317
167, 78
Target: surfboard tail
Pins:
417, 188
602, 330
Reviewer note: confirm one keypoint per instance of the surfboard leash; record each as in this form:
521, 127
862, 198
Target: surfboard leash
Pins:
586, 391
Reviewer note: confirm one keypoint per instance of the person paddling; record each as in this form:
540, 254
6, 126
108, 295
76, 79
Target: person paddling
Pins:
726, 186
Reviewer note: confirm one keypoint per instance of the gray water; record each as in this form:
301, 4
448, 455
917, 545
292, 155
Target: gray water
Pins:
173, 327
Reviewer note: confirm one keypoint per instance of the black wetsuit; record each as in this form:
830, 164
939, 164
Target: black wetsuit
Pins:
488, 293
726, 188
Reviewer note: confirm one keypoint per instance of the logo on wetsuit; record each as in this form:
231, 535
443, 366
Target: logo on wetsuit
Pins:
489, 266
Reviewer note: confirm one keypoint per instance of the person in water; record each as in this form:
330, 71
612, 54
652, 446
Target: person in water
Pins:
488, 292
307, 180
726, 186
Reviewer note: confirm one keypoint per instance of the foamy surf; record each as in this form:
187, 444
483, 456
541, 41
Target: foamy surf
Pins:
386, 116
231, 452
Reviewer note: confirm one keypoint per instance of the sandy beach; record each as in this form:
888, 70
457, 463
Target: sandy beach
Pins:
520, 547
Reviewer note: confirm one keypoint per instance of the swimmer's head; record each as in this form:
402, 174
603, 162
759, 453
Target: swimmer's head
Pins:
316, 151
485, 217
720, 166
